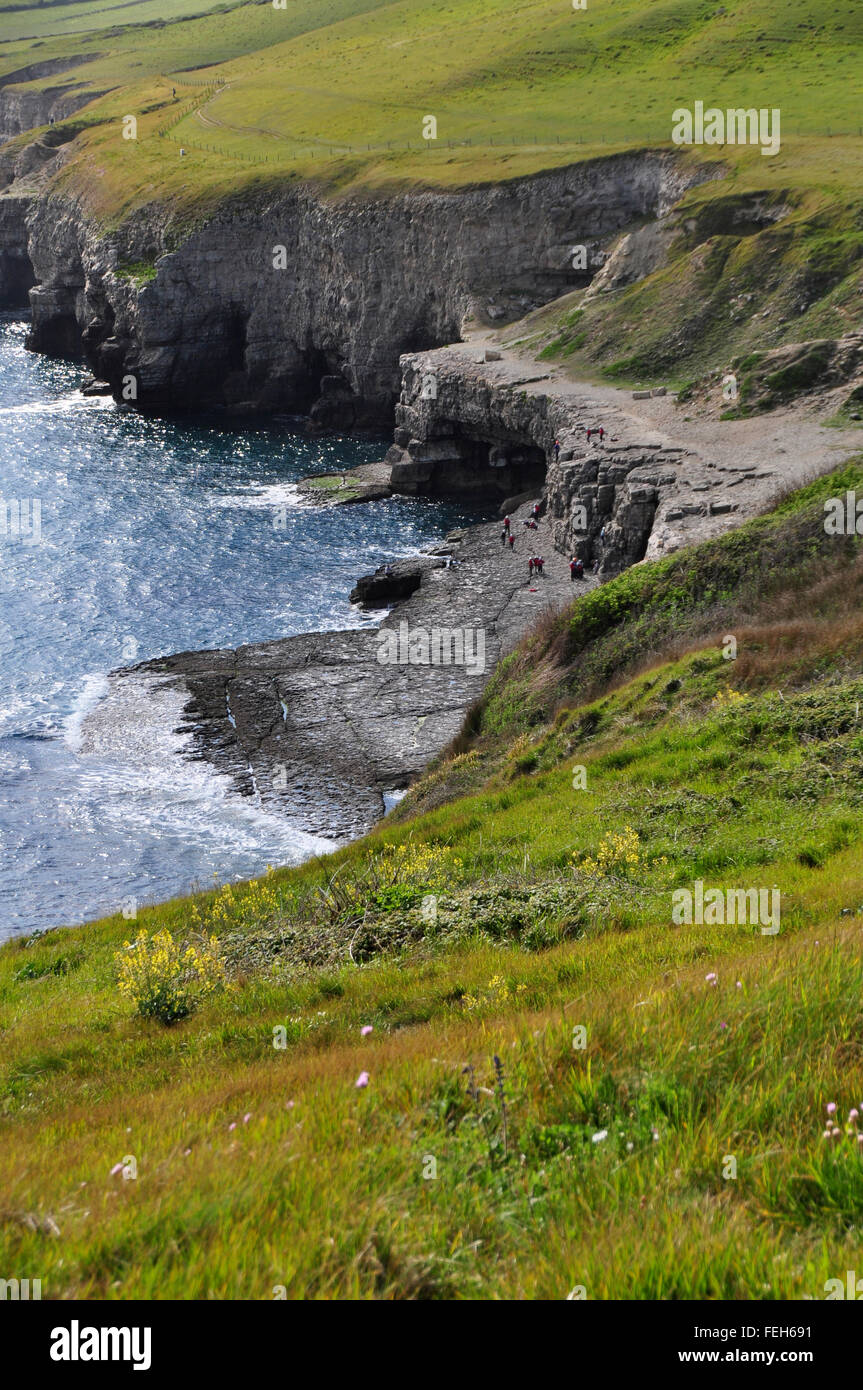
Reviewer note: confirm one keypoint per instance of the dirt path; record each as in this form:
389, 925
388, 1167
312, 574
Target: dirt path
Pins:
784, 446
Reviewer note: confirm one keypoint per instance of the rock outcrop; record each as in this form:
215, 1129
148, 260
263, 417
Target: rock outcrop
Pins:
481, 424
24, 107
305, 304
485, 430
393, 582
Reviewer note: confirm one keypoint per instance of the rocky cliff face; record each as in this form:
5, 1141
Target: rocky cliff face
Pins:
259, 307
478, 423
16, 269
24, 107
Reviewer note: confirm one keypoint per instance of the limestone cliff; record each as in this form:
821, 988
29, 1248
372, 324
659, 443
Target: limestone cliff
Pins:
16, 269
303, 303
25, 106
481, 423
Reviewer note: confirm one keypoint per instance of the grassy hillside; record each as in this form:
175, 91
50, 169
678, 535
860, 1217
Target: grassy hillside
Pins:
339, 90
750, 268
37, 21
653, 1126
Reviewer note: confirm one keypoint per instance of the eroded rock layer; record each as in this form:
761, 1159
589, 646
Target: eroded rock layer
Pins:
303, 303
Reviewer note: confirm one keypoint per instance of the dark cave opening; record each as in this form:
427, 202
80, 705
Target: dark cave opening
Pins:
458, 464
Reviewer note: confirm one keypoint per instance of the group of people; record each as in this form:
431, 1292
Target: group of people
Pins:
600, 432
535, 563
531, 522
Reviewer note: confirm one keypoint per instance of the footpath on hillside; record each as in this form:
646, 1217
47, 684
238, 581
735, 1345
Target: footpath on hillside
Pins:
759, 456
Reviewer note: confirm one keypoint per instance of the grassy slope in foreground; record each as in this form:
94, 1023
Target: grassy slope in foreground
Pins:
259, 1168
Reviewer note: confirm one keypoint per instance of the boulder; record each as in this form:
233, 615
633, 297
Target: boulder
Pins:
512, 504
405, 577
378, 590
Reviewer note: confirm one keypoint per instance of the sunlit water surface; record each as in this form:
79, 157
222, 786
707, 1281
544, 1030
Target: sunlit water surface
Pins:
155, 536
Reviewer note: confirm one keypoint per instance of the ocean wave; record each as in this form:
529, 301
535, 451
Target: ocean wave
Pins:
94, 689
62, 406
265, 496
130, 732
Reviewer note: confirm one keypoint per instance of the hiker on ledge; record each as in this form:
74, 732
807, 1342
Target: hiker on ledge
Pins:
556, 450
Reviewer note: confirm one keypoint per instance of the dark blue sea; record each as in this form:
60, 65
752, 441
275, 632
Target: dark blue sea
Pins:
129, 537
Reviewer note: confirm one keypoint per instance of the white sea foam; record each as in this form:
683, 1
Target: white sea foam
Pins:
94, 688
265, 496
132, 738
61, 406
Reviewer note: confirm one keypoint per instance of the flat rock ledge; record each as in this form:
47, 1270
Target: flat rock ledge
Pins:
368, 482
322, 726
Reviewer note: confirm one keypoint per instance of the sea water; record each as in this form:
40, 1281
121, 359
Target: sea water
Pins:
150, 536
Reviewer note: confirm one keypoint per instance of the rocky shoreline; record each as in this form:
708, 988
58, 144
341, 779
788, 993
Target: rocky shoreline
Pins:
356, 310
326, 726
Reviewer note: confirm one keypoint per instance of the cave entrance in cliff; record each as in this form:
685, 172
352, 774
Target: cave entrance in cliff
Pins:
17, 278
318, 374
501, 468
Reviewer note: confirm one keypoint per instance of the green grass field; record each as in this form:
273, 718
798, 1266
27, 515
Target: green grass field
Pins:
44, 23
339, 91
655, 1126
